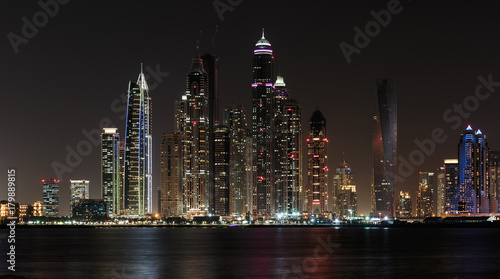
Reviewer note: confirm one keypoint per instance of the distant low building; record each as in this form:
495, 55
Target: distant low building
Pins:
37, 209
90, 210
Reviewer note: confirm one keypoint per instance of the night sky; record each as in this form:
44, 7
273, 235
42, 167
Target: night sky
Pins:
66, 77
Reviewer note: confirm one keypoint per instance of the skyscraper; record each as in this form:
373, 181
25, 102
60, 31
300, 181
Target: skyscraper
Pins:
425, 194
347, 200
110, 170
222, 156
262, 113
211, 66
404, 209
451, 174
172, 175
317, 164
494, 162
343, 191
279, 99
292, 157
138, 188
441, 191
199, 196
235, 120
51, 197
384, 149
473, 174
248, 208
79, 190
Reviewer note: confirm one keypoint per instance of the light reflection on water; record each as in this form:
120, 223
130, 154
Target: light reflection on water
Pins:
256, 253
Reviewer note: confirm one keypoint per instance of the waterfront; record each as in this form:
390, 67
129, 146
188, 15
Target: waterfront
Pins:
315, 252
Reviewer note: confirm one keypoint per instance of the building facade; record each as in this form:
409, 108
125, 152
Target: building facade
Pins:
51, 197
473, 193
404, 206
172, 175
343, 195
440, 191
317, 164
138, 187
425, 194
384, 147
263, 138
222, 158
235, 120
199, 195
292, 157
494, 163
79, 190
111, 190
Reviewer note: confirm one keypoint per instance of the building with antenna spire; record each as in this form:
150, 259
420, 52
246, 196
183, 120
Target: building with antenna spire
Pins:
262, 113
198, 191
137, 184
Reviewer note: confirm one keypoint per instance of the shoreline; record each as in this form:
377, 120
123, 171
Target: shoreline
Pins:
224, 226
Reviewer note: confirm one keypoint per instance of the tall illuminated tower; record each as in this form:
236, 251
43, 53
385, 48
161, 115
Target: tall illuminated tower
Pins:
262, 113
222, 171
292, 158
138, 188
440, 191
280, 97
111, 191
211, 66
199, 196
451, 187
473, 193
235, 120
494, 162
384, 149
317, 164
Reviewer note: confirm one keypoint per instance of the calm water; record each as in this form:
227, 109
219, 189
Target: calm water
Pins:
256, 253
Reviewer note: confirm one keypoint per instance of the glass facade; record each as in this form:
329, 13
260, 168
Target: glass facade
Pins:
384, 147
138, 150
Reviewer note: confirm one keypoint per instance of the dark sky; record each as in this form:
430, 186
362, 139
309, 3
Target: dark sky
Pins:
65, 78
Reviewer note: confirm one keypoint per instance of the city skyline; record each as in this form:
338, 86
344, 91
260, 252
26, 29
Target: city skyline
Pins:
345, 124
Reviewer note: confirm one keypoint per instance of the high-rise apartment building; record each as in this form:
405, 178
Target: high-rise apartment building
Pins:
404, 208
440, 191
425, 194
79, 190
137, 186
317, 164
494, 163
172, 175
451, 176
222, 158
51, 197
199, 195
344, 192
235, 120
262, 113
111, 191
473, 195
384, 147
292, 157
